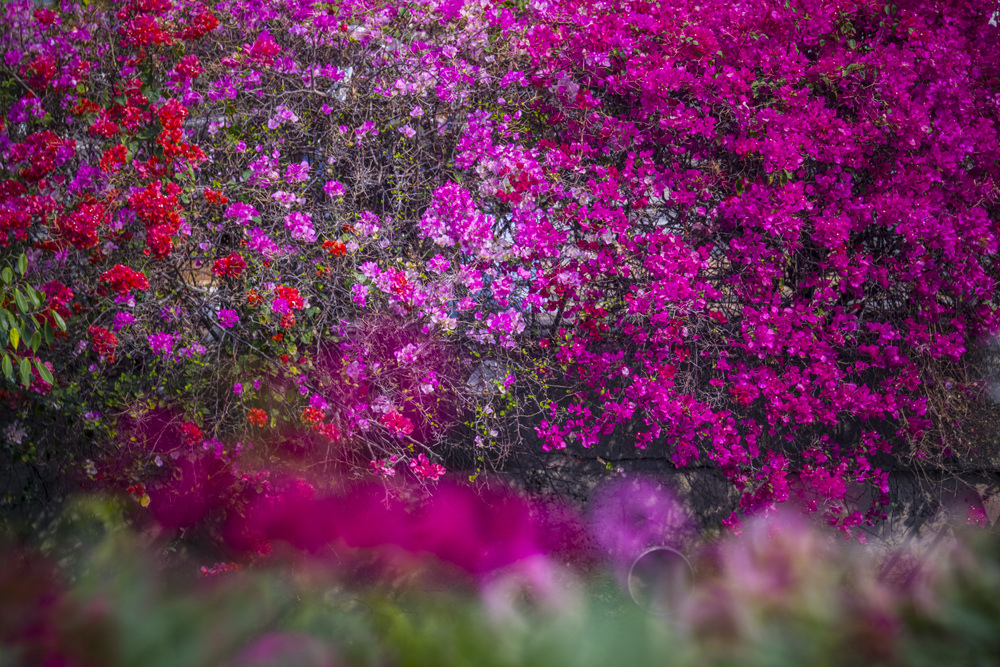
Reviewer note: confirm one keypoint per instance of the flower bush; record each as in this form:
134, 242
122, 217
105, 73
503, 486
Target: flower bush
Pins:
722, 230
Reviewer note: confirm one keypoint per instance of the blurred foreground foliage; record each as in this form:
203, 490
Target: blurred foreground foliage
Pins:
95, 592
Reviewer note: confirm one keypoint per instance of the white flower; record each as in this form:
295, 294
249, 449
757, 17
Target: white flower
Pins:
15, 433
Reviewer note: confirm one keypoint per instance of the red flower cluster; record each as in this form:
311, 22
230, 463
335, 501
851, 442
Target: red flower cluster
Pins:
263, 49
216, 197
423, 468
231, 266
253, 298
329, 431
291, 296
189, 68
257, 417
45, 16
312, 416
104, 342
135, 111
43, 151
172, 115
104, 126
85, 106
220, 569
160, 213
121, 279
40, 71
58, 298
144, 30
113, 158
394, 421
192, 434
203, 23
80, 226
335, 248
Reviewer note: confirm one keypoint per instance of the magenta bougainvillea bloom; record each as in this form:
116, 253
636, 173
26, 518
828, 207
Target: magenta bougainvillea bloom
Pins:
761, 237
228, 318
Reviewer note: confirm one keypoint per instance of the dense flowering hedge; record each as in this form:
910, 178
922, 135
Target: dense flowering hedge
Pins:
350, 233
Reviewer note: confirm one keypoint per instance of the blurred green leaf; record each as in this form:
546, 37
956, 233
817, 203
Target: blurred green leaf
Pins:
44, 371
22, 303
25, 367
33, 295
15, 338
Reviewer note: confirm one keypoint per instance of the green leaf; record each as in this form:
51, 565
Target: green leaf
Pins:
36, 341
22, 264
8, 368
8, 275
44, 371
33, 295
59, 321
50, 336
22, 303
25, 372
15, 337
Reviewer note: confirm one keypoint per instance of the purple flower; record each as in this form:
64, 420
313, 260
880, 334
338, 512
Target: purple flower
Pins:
296, 173
122, 320
300, 225
359, 294
407, 131
241, 212
366, 128
282, 115
318, 401
407, 354
161, 343
228, 318
438, 264
262, 243
279, 306
238, 388
334, 188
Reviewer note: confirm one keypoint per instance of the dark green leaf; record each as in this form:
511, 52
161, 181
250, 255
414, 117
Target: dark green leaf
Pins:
25, 372
22, 264
8, 275
36, 341
36, 299
22, 303
8, 368
44, 371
